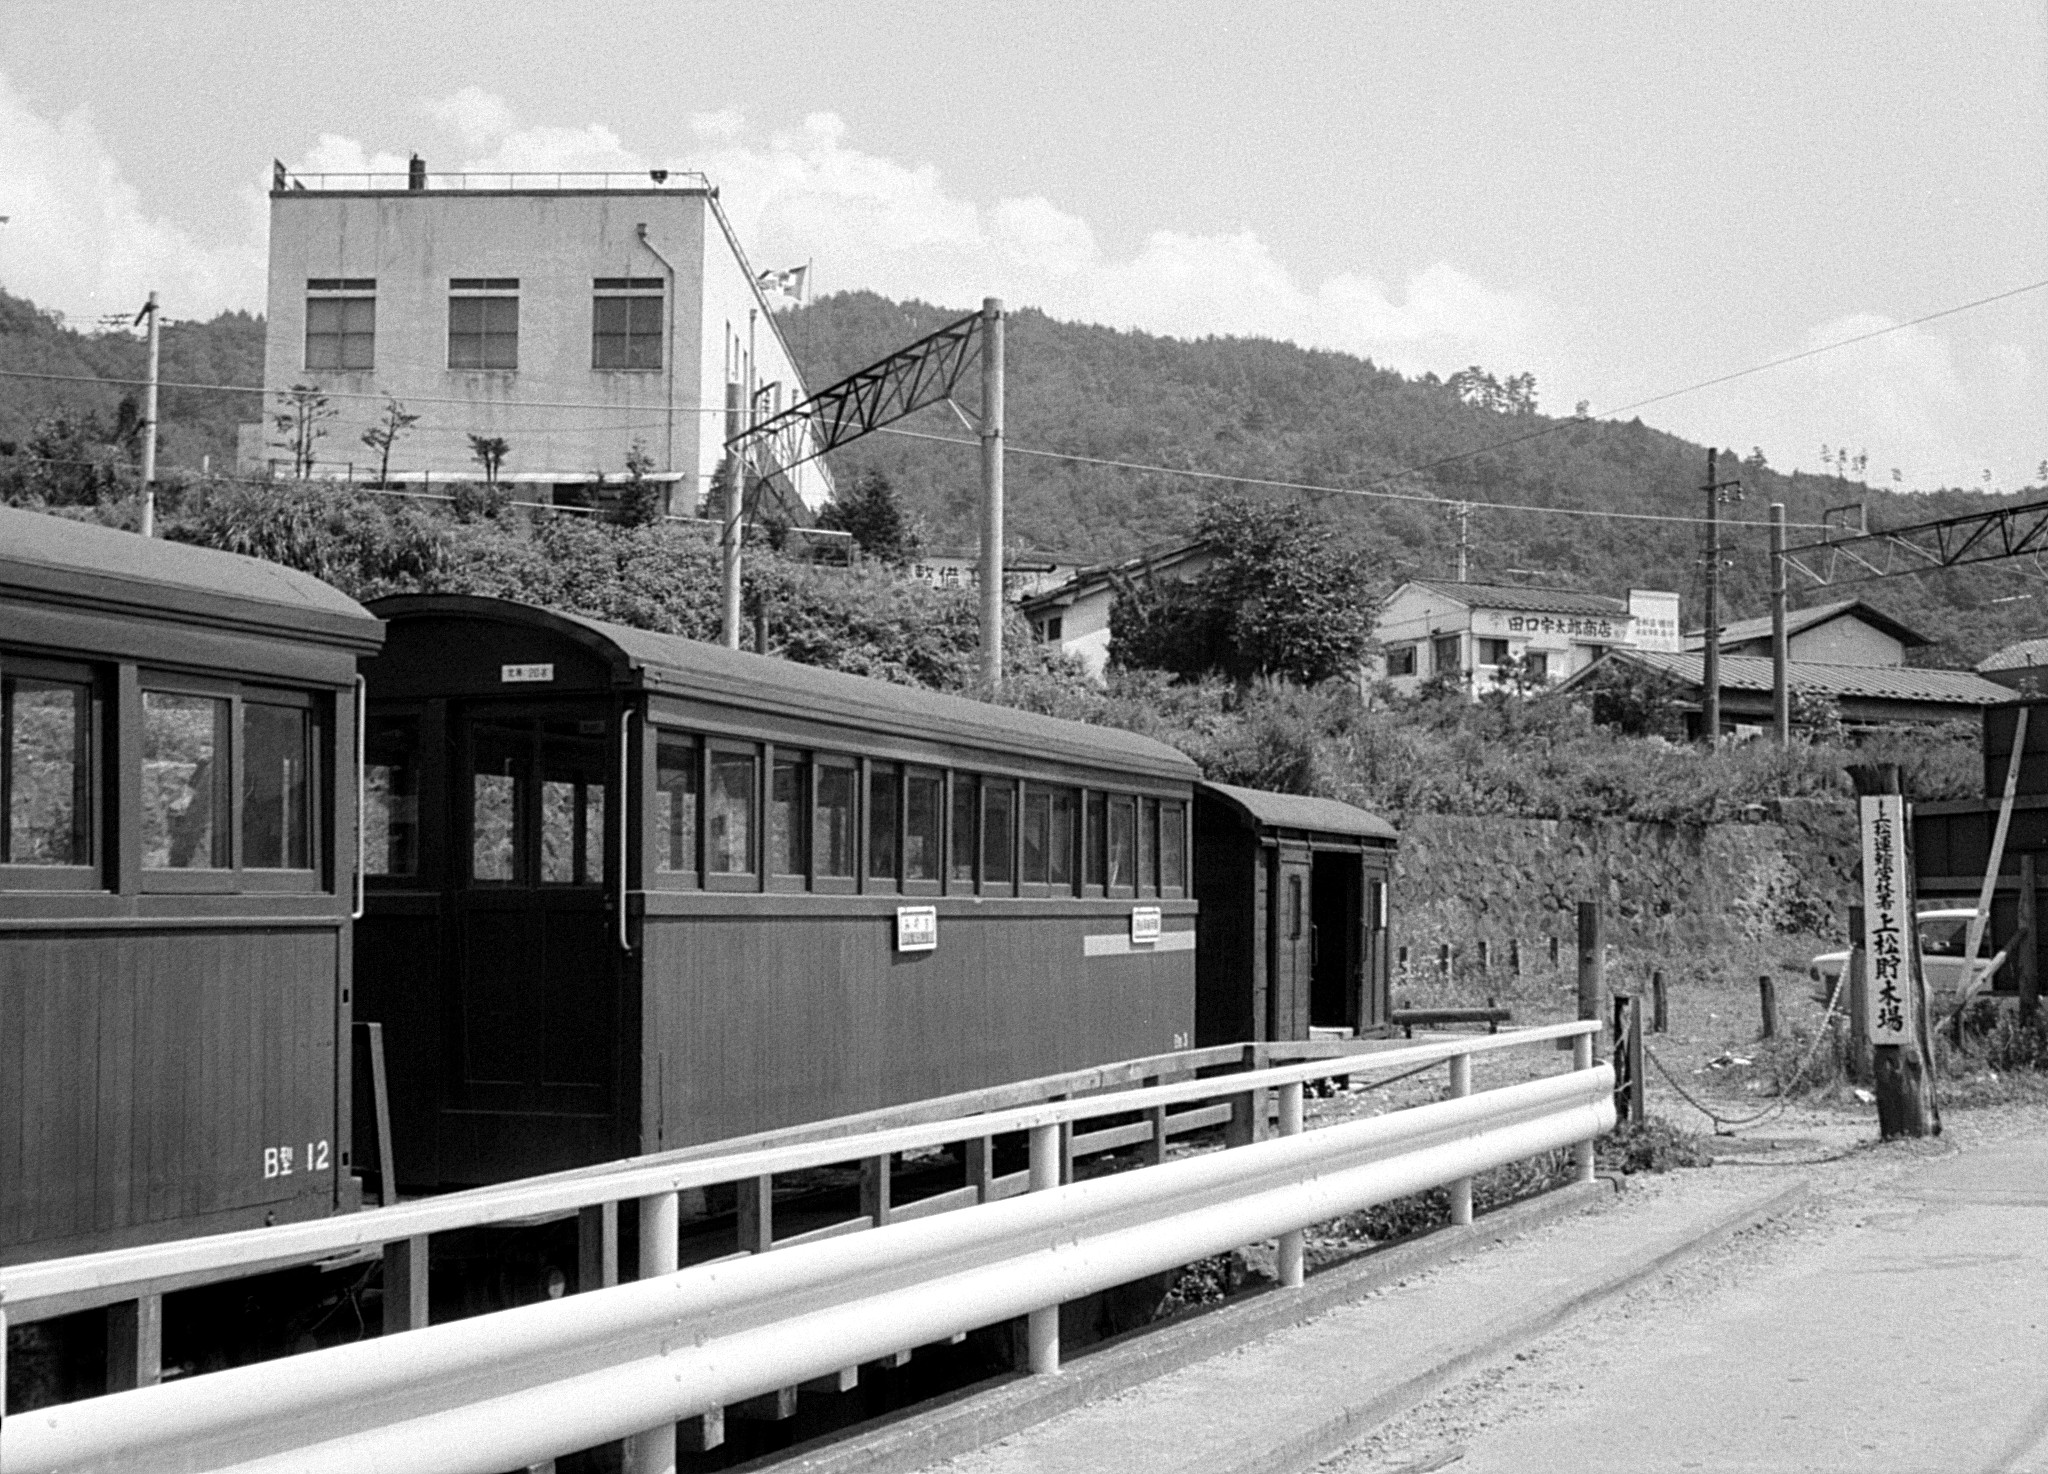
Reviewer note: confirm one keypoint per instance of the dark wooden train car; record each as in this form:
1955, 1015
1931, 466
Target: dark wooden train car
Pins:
828, 893
1293, 929
177, 733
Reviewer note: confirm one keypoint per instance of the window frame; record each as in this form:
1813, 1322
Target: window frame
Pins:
849, 883
483, 289
995, 792
956, 883
1181, 808
658, 878
941, 779
737, 880
1401, 660
93, 875
340, 291
629, 289
1093, 872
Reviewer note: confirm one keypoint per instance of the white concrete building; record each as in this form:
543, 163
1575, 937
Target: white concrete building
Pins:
571, 316
1471, 631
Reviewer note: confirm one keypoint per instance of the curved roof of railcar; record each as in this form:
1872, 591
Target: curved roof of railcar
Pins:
55, 560
1299, 811
673, 663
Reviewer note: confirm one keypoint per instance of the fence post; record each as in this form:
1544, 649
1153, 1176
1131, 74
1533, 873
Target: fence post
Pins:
405, 1284
1592, 961
1553, 951
1485, 956
654, 1451
1461, 1188
1660, 1017
1515, 957
1042, 1327
754, 1208
1582, 1152
1638, 1082
135, 1343
1293, 1246
597, 1246
1767, 1001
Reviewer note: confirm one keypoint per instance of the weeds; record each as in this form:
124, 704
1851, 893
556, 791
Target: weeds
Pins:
1654, 1146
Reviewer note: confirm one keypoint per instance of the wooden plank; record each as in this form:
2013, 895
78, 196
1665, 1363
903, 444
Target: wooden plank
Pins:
1112, 1138
405, 1284
981, 1160
843, 1380
778, 1406
829, 1231
701, 1434
874, 1188
2028, 963
597, 1246
1180, 1122
946, 1202
135, 1343
380, 1108
756, 1203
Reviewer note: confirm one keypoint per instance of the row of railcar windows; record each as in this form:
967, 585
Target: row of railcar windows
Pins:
225, 783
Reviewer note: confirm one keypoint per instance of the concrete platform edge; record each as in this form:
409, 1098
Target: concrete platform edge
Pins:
993, 1411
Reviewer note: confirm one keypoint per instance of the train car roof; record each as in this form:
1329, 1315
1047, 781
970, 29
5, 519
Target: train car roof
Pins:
645, 659
55, 560
1299, 811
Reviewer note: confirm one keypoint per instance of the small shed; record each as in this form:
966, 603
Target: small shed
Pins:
1292, 933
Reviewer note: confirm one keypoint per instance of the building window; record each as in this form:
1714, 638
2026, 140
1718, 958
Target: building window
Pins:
341, 323
1538, 666
1493, 652
483, 322
625, 319
46, 766
1445, 656
1051, 628
1401, 660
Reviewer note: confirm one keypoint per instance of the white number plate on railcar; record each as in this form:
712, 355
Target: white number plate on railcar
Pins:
509, 675
1144, 925
917, 928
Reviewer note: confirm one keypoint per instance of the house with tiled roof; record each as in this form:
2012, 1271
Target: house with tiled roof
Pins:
1846, 632
2022, 666
1482, 636
1074, 614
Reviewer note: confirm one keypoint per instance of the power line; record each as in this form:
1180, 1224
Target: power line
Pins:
380, 396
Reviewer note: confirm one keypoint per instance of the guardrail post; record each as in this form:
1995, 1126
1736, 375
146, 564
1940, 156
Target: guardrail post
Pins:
1293, 1246
1042, 1327
1582, 1152
874, 1189
135, 1343
597, 1246
1461, 1188
756, 1203
654, 1451
405, 1284
981, 1167
1155, 1149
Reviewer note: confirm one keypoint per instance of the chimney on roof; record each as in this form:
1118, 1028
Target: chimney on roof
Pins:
416, 173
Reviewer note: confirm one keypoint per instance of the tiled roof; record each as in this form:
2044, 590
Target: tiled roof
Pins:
1535, 601
1870, 682
2017, 656
1797, 620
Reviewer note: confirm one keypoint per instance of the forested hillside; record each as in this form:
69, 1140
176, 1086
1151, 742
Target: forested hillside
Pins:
1253, 407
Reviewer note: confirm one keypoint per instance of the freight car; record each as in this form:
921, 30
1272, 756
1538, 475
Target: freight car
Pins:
627, 891
177, 731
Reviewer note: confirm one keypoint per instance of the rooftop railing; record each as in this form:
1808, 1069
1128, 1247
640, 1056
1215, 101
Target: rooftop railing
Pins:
290, 181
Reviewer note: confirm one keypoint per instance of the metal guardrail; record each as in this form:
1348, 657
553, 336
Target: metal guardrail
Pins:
518, 1387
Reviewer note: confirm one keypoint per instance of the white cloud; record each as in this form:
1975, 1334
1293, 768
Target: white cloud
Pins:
477, 117
80, 240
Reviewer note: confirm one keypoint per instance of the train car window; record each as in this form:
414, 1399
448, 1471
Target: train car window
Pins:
1148, 844
998, 831
675, 804
391, 796
277, 801
885, 802
1063, 837
1123, 847
499, 759
923, 810
832, 827
1096, 841
1173, 846
965, 805
1036, 834
729, 826
187, 797
788, 812
46, 770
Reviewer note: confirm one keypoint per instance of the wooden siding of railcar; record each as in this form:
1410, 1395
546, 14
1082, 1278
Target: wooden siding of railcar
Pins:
794, 1008
144, 1073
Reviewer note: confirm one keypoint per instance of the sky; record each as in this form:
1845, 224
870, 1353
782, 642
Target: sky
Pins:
1622, 200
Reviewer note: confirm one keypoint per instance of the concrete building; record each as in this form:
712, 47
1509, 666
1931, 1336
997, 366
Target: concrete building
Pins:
1074, 614
1481, 634
1847, 632
575, 317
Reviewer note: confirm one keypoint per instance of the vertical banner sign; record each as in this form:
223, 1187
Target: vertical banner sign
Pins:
1887, 920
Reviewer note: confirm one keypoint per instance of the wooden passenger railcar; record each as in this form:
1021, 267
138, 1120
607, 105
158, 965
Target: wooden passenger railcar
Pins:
743, 951
176, 874
1293, 932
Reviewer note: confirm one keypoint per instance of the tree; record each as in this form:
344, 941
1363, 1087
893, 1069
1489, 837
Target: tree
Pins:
640, 500
870, 512
381, 436
489, 451
300, 421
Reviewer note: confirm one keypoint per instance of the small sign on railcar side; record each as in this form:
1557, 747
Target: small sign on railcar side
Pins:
515, 674
1144, 925
917, 928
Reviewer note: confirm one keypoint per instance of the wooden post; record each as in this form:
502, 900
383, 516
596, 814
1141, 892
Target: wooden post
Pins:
703, 1433
755, 1202
1902, 1074
597, 1246
1155, 1149
372, 1035
981, 1167
2028, 962
1461, 1188
1592, 959
1660, 1014
1767, 1002
654, 1450
1042, 1326
135, 1343
1293, 1246
1514, 957
405, 1284
1638, 1083
874, 1189
1553, 951
1485, 956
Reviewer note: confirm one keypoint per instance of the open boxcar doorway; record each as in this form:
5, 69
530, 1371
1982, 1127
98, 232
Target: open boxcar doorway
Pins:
1337, 965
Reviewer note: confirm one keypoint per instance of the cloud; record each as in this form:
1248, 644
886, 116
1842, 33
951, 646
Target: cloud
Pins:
477, 117
80, 240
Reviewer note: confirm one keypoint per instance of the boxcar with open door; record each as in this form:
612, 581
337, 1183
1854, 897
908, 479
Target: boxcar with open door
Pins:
1293, 930
628, 891
177, 732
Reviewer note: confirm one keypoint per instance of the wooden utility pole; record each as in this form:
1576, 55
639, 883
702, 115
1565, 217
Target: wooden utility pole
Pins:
1592, 959
734, 475
992, 492
1464, 542
1902, 1070
1781, 685
149, 423
1710, 676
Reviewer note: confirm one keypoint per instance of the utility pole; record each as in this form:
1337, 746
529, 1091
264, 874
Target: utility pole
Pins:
149, 421
734, 474
1464, 541
1781, 687
992, 492
1711, 676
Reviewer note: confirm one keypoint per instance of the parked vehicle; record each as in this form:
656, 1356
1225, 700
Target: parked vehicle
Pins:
1944, 932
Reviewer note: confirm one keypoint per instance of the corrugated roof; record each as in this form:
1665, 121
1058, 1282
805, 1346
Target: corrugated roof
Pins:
1102, 574
2017, 656
811, 693
1872, 682
1800, 620
1509, 596
58, 558
1299, 811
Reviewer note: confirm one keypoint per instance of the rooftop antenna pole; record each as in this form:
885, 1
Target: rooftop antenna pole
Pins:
149, 424
992, 492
